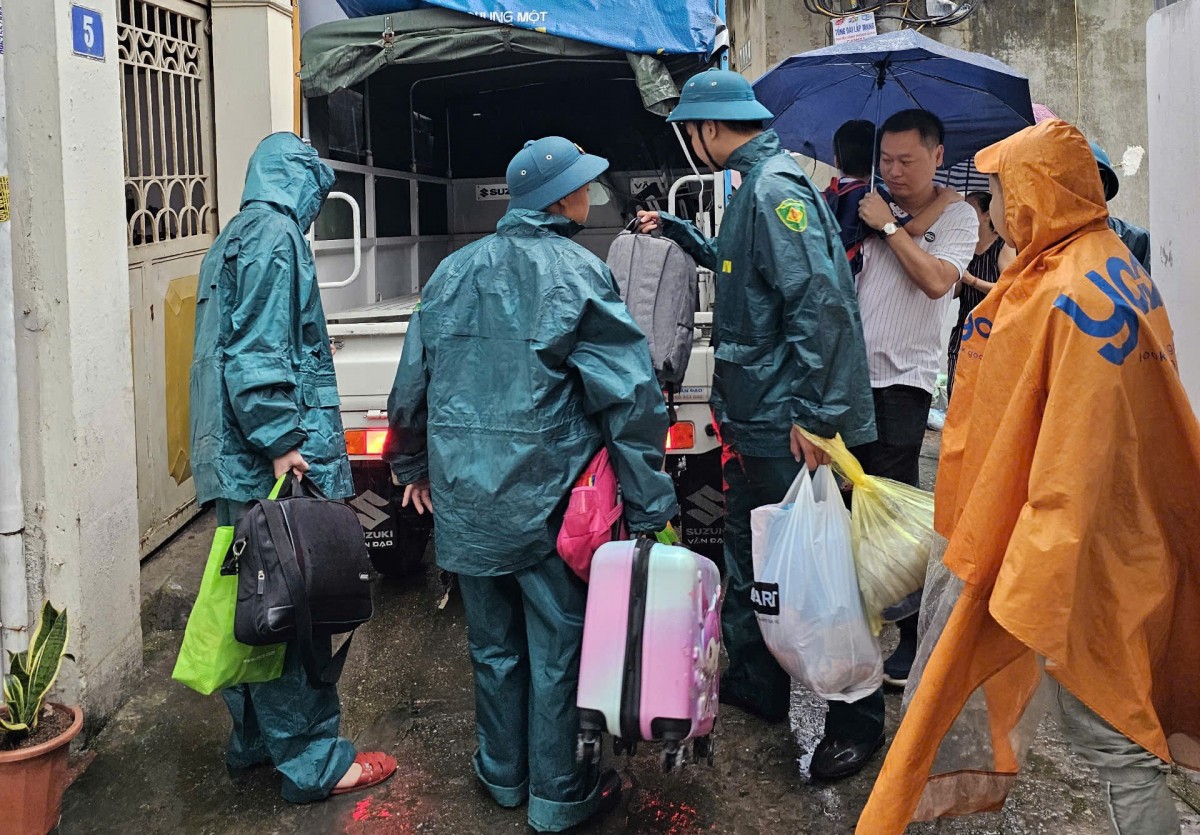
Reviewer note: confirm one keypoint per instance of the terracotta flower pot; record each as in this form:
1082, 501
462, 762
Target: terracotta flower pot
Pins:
32, 781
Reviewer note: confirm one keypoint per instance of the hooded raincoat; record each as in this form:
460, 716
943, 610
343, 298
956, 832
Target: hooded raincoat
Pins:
263, 385
785, 308
262, 373
1068, 492
520, 364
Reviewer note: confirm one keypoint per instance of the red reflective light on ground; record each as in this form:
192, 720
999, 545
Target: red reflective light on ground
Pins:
681, 436
649, 812
365, 441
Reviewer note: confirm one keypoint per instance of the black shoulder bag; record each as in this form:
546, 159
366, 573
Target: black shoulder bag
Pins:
303, 570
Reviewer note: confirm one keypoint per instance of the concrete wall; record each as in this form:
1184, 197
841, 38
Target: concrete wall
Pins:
1100, 86
1173, 69
72, 305
772, 31
1103, 90
252, 87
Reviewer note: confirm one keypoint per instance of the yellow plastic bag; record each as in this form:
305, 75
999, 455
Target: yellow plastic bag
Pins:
891, 532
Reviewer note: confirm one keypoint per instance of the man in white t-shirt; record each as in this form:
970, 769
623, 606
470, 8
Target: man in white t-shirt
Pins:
905, 291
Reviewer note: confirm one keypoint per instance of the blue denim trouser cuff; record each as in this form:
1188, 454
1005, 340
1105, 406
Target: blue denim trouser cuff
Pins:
557, 815
508, 797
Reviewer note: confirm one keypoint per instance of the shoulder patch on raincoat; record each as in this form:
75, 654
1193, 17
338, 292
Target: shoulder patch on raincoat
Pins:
793, 213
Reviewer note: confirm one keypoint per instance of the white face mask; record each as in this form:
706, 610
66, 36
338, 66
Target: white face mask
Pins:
598, 194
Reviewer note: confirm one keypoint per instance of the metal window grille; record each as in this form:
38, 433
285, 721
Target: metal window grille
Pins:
165, 110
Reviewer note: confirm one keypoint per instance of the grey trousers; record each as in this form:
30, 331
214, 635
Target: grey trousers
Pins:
1135, 781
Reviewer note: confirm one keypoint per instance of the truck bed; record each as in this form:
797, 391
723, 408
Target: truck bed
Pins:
398, 309
369, 341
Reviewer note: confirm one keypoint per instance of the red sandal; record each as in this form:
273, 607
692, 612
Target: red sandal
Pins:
376, 767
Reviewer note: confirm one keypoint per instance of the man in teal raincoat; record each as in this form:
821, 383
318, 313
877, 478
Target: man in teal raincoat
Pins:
789, 352
264, 401
522, 362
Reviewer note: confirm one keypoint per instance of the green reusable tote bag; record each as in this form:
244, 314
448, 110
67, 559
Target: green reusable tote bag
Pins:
210, 659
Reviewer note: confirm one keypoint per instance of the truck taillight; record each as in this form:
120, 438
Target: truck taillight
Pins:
682, 435
365, 441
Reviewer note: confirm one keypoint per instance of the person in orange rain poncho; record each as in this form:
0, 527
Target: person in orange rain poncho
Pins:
1069, 491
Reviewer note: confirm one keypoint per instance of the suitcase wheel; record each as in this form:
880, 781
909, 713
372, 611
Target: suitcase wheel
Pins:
704, 748
587, 748
620, 746
674, 757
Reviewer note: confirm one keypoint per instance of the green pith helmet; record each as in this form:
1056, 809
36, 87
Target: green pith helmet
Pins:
547, 170
1107, 176
720, 95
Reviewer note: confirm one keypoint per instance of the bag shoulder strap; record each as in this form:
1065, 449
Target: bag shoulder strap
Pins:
232, 563
290, 567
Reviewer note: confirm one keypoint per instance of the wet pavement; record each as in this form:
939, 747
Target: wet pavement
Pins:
159, 763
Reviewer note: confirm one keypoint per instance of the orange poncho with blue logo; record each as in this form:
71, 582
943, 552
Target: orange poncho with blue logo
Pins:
1069, 491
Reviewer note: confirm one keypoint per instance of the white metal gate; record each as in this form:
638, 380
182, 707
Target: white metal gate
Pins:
170, 197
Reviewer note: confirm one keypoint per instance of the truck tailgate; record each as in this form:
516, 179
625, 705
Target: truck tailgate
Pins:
369, 341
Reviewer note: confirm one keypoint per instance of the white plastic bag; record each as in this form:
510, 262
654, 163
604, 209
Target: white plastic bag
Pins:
806, 591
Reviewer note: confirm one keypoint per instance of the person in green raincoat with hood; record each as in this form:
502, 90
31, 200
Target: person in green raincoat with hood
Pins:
521, 363
788, 354
264, 401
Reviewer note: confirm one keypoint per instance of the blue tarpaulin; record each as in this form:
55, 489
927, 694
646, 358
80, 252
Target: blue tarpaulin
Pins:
673, 27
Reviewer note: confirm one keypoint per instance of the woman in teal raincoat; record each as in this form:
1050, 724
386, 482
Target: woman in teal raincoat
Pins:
521, 363
264, 401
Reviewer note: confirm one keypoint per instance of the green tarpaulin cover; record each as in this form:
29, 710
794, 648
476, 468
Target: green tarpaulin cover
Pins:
341, 54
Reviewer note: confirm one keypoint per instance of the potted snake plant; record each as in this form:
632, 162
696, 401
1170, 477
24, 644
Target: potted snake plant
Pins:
35, 734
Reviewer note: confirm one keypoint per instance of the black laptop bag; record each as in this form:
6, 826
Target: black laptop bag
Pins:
303, 571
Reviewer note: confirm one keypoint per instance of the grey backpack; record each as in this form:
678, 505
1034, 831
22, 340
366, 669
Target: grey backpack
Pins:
657, 280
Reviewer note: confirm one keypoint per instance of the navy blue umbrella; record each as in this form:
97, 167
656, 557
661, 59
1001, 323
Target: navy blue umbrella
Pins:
979, 99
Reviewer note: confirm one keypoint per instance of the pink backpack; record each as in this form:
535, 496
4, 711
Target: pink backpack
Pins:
594, 516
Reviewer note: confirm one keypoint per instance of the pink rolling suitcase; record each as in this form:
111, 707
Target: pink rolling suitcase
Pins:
651, 648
